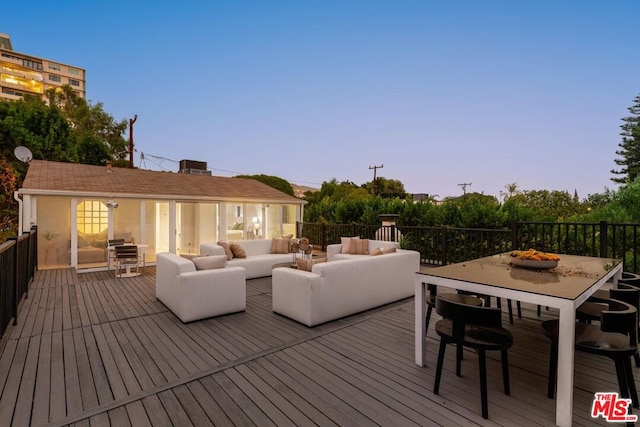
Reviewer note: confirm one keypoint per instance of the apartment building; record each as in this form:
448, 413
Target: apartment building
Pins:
22, 74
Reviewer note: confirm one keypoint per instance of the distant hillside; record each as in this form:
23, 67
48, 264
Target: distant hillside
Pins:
299, 190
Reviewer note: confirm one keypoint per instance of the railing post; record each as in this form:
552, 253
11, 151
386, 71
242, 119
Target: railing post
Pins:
443, 245
324, 237
393, 232
514, 236
603, 239
14, 303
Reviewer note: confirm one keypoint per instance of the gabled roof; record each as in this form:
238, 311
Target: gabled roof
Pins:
44, 177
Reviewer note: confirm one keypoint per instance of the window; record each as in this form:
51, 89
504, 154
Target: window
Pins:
73, 71
93, 217
54, 67
54, 78
74, 82
11, 92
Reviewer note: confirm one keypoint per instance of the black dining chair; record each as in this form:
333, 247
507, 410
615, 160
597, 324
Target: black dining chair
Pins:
591, 310
615, 338
476, 327
455, 297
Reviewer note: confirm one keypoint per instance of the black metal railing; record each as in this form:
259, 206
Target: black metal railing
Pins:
17, 268
444, 245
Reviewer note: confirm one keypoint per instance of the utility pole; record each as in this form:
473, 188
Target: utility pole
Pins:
131, 122
464, 186
375, 182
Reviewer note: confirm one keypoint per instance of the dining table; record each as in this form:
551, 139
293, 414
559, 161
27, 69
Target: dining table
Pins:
564, 287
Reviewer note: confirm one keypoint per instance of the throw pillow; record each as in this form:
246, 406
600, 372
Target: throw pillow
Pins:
210, 262
82, 241
359, 247
307, 264
237, 250
280, 246
376, 251
346, 244
227, 249
389, 250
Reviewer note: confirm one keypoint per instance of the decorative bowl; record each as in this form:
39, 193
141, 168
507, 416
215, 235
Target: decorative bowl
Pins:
533, 264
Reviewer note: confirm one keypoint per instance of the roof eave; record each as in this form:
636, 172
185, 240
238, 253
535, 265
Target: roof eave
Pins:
108, 195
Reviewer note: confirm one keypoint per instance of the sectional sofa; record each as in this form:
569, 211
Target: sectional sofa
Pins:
346, 285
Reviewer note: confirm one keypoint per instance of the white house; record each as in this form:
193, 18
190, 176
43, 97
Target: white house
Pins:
78, 208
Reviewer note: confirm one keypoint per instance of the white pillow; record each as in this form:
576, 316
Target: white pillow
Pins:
346, 244
210, 262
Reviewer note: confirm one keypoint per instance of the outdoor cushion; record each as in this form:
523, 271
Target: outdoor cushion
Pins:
307, 264
210, 262
227, 249
389, 250
359, 247
237, 250
280, 246
346, 244
376, 251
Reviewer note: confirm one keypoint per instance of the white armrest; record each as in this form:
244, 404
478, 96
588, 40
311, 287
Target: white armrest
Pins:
211, 249
333, 250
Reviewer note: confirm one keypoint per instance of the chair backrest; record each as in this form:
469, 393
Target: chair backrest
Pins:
126, 252
433, 289
116, 242
463, 314
621, 317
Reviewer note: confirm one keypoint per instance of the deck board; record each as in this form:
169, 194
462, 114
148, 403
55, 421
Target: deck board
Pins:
92, 350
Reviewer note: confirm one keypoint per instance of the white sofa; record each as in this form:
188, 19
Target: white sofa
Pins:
344, 286
197, 294
336, 249
259, 258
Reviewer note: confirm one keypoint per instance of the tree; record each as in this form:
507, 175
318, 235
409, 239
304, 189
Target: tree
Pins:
92, 127
512, 188
387, 188
8, 206
272, 181
629, 147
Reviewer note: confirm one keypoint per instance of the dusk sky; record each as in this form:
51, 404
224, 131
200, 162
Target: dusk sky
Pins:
440, 92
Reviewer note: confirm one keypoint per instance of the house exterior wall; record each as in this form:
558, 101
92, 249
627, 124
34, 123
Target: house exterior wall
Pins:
73, 231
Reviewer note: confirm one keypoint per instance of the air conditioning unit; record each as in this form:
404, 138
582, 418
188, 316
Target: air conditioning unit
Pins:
195, 171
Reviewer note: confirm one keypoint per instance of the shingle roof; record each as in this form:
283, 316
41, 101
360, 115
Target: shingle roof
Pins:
56, 177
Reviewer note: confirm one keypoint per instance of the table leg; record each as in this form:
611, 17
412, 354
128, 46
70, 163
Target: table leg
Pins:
566, 348
420, 327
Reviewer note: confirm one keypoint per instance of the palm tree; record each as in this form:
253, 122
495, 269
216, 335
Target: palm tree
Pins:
512, 189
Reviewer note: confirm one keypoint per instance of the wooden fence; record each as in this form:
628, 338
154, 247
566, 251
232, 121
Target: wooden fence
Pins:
444, 245
17, 268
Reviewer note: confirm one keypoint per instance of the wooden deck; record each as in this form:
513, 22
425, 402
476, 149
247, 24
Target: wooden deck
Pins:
92, 350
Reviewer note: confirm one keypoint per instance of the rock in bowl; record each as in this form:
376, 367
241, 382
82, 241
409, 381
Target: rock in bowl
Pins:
533, 264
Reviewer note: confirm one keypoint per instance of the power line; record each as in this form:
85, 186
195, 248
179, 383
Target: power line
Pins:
145, 157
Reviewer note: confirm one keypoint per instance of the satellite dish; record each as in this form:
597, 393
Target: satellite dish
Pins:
23, 154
